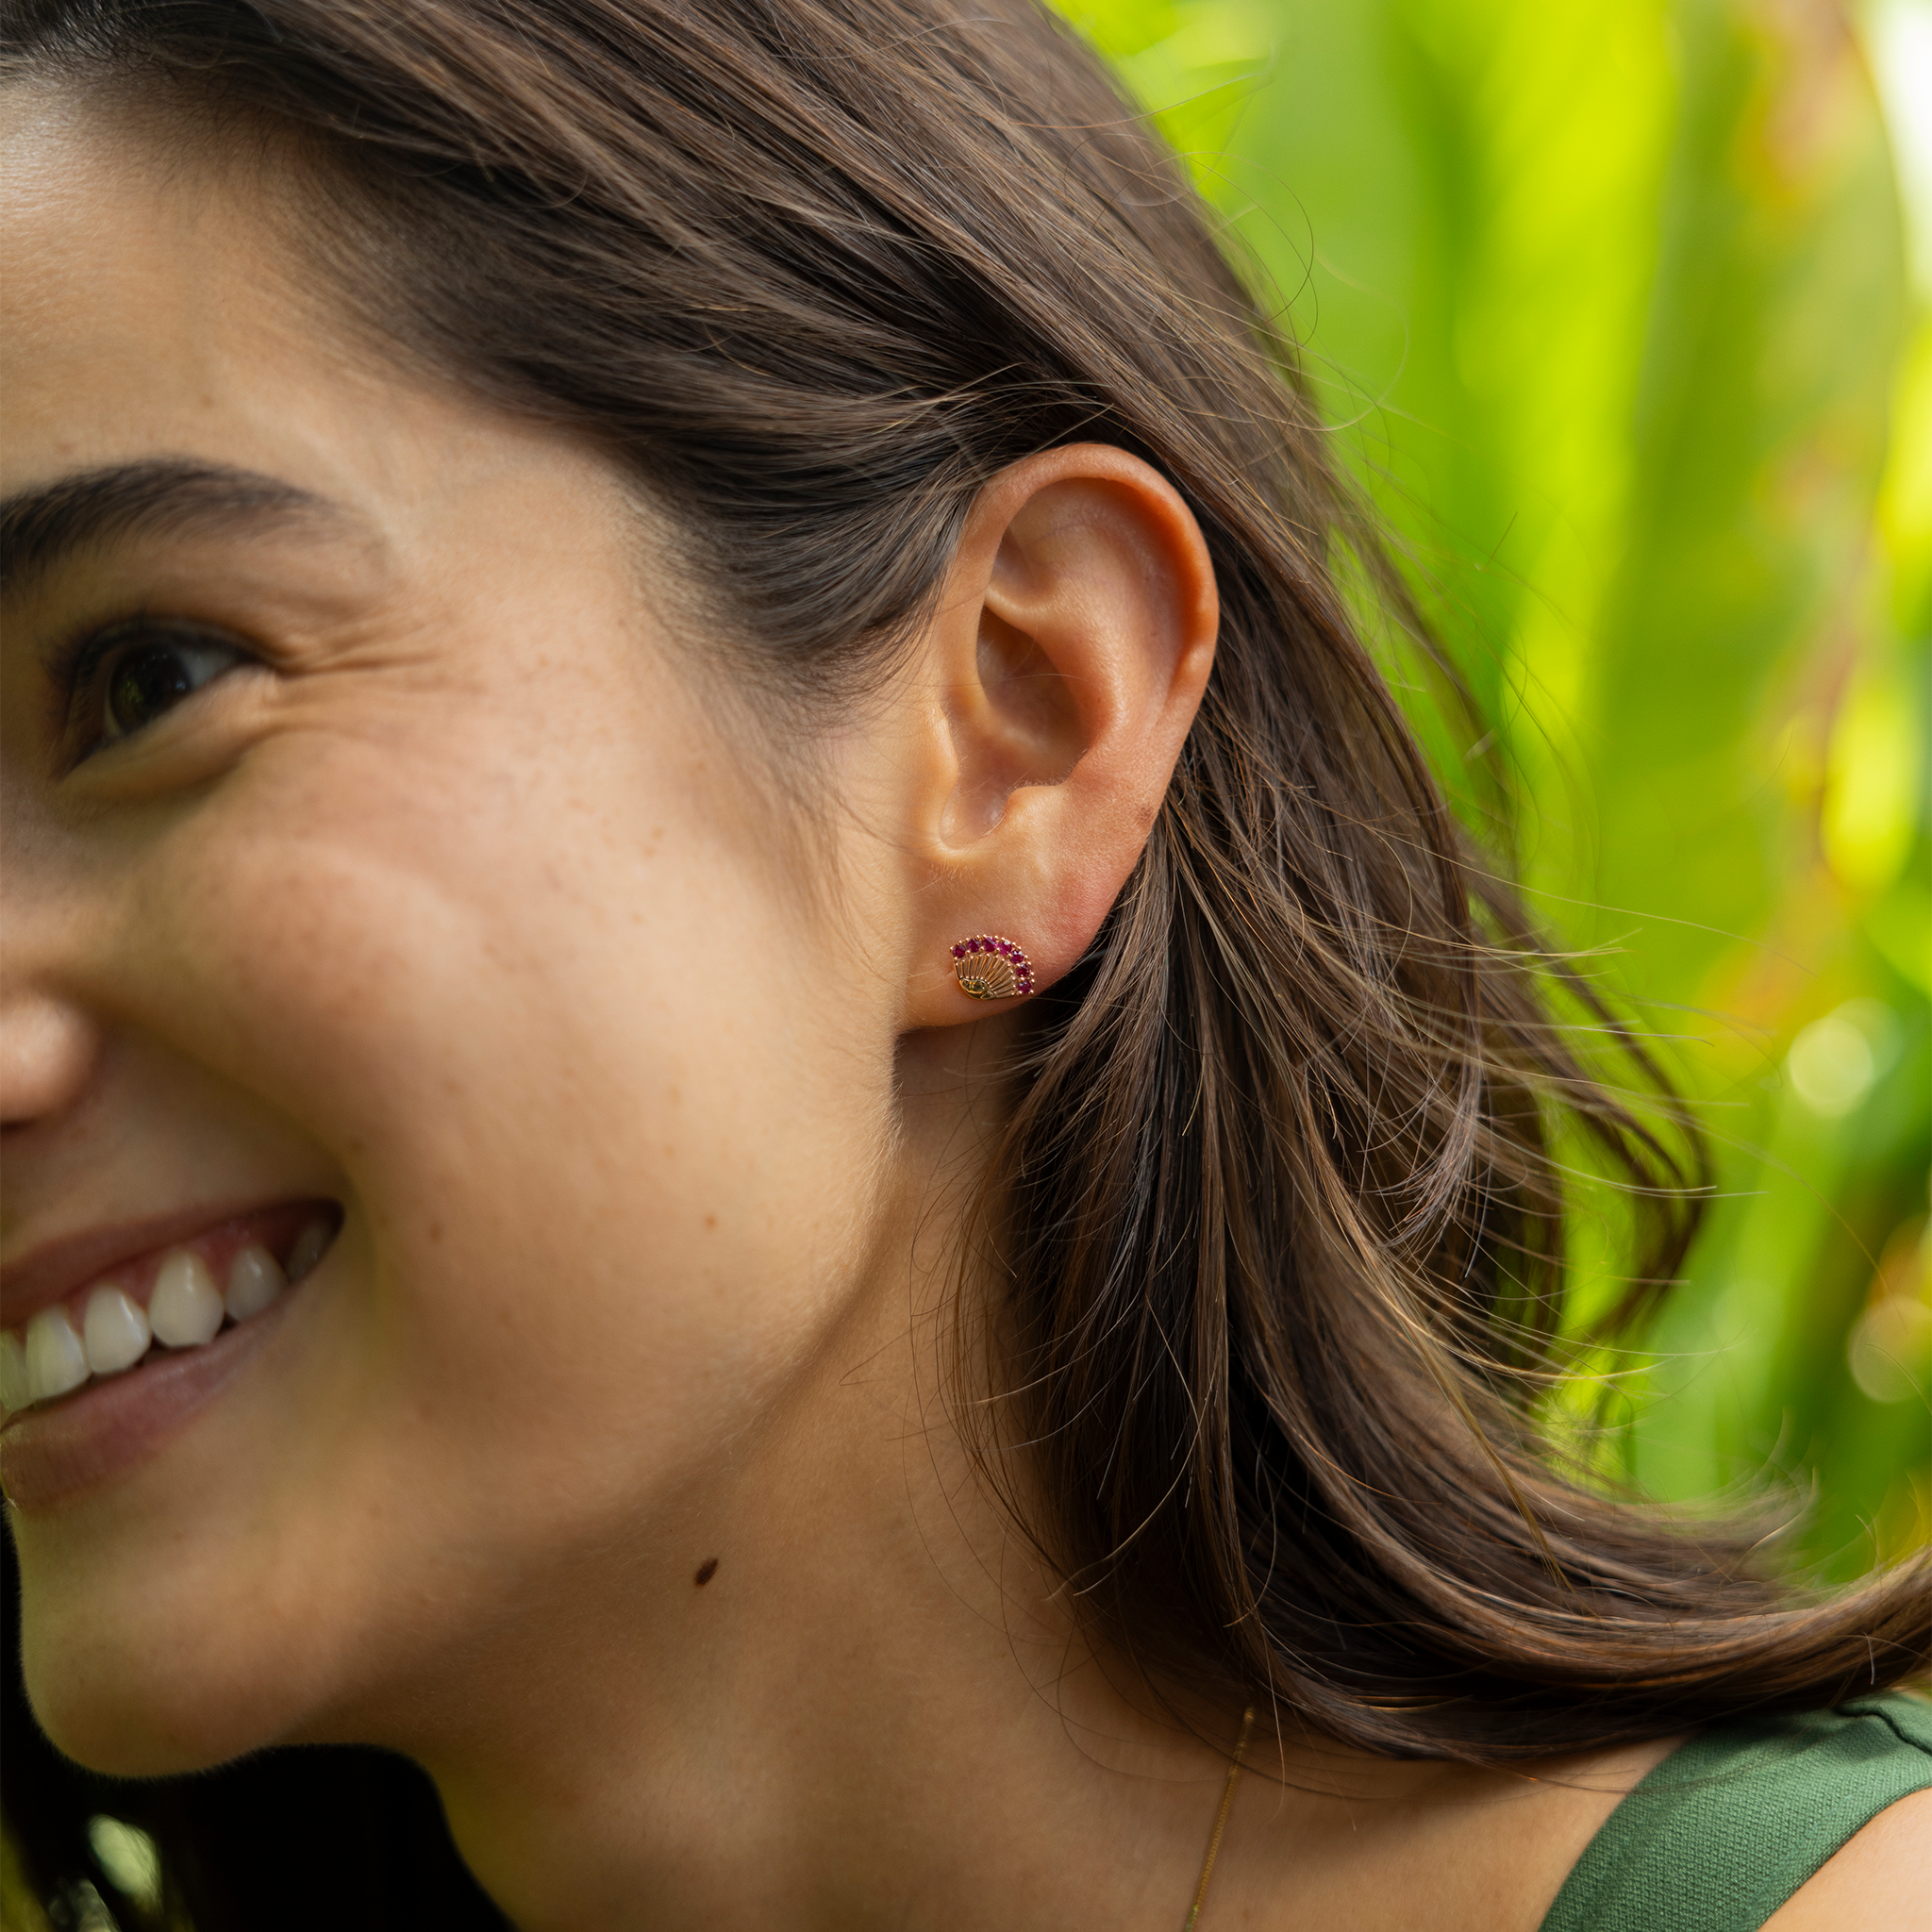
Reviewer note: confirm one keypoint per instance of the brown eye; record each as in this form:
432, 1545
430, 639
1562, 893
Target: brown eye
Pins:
152, 670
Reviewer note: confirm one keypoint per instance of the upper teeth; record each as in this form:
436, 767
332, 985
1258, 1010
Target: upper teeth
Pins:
255, 1279
116, 1330
187, 1307
311, 1245
56, 1361
185, 1310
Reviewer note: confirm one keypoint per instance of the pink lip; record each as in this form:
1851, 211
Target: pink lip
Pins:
48, 1456
54, 1270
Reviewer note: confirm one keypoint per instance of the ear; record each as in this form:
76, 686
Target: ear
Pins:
1062, 672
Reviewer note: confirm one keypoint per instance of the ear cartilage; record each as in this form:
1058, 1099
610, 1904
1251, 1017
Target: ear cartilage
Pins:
991, 967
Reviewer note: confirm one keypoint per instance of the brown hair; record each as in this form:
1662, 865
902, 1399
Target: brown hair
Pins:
1277, 1209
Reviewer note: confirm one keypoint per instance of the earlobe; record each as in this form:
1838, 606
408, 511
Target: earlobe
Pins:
1071, 653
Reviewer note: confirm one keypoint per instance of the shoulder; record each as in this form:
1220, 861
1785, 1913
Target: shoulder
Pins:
1805, 1813
1881, 1876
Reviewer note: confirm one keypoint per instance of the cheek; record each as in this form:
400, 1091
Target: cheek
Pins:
541, 1018
597, 1155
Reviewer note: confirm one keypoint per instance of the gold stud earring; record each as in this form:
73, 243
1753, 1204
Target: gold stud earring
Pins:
991, 967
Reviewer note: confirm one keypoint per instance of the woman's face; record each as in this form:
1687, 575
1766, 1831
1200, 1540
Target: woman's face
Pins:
391, 866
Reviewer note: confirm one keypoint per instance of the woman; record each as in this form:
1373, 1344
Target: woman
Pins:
753, 1091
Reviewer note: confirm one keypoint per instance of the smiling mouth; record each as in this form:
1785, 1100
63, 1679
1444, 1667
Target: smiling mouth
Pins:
162, 1303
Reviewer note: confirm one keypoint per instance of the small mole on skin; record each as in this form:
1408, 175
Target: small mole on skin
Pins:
707, 1569
710, 1221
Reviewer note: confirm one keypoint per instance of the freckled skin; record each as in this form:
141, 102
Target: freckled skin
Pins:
379, 923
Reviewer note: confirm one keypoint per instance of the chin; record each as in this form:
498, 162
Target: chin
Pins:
120, 1698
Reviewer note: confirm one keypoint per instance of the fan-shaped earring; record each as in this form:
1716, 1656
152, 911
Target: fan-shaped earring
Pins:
991, 967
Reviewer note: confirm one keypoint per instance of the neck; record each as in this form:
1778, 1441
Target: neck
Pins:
880, 1709
874, 1686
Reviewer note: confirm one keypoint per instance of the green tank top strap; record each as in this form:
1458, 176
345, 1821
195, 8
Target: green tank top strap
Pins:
1728, 1826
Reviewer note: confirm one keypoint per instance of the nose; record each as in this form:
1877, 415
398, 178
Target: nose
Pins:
48, 1048
49, 1045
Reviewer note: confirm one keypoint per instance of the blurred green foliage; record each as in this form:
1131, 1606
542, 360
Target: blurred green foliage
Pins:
1621, 311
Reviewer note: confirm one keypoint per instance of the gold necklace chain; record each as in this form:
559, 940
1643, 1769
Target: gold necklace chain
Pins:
1234, 1771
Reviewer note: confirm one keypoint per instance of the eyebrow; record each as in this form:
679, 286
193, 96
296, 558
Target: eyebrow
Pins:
168, 496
